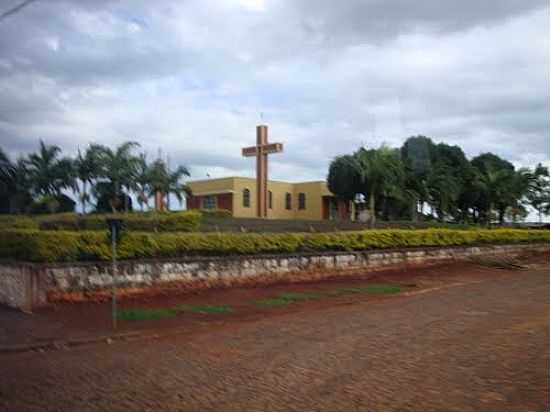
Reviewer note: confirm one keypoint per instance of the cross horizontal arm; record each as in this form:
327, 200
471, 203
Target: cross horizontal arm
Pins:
250, 151
266, 149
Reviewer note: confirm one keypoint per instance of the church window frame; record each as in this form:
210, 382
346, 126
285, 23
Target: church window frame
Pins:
246, 197
301, 201
288, 201
210, 202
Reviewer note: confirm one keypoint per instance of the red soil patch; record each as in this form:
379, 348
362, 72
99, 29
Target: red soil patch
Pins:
72, 320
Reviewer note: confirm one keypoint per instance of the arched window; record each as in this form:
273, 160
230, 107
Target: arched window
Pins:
246, 198
270, 199
288, 201
301, 201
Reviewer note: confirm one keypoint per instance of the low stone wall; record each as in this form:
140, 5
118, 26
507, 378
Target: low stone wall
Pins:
25, 286
14, 284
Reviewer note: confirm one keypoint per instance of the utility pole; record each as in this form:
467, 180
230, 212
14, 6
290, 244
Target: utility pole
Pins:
115, 226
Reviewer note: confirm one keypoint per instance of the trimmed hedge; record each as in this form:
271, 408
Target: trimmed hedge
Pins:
17, 222
216, 213
59, 246
187, 221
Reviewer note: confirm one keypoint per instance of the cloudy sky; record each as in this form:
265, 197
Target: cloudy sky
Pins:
193, 78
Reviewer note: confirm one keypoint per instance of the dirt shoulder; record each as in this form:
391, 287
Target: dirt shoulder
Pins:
83, 322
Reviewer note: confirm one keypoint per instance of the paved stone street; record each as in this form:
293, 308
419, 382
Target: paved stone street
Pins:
477, 346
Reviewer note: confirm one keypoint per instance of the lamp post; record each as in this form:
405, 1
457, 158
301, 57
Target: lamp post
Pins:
115, 226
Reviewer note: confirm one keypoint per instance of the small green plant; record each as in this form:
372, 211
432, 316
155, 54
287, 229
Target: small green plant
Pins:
377, 289
169, 313
146, 314
204, 309
289, 298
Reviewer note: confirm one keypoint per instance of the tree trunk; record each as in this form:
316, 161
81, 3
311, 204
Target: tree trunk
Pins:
126, 203
501, 213
414, 210
372, 208
115, 200
83, 197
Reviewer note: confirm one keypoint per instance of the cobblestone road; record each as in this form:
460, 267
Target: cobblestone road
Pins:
476, 347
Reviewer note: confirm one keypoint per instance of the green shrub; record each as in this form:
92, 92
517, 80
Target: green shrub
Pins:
186, 221
17, 222
41, 246
216, 213
56, 246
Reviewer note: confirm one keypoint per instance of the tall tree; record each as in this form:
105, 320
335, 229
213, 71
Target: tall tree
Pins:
7, 174
381, 174
175, 186
446, 179
500, 185
344, 177
417, 153
164, 181
538, 189
87, 169
21, 198
118, 167
48, 172
142, 181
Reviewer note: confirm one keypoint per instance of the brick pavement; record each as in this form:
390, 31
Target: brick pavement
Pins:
476, 347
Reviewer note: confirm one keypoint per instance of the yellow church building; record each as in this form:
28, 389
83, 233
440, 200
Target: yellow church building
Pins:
303, 201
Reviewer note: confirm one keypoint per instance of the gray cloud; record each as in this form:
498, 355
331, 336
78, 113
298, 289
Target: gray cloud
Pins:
192, 78
378, 20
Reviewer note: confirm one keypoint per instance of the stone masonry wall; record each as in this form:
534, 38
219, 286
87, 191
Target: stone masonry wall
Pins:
14, 286
25, 286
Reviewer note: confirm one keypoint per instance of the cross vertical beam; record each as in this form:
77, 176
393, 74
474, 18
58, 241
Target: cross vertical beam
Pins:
261, 152
261, 171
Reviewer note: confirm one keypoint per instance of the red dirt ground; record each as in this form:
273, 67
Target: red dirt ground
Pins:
82, 320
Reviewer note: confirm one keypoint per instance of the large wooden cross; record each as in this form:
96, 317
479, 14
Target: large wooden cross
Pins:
261, 151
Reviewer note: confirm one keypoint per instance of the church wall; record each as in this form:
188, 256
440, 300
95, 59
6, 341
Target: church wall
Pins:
212, 185
231, 193
314, 200
239, 210
279, 190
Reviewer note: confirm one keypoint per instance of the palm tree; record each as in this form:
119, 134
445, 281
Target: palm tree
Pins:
119, 168
444, 191
142, 181
7, 174
164, 182
87, 168
381, 174
536, 184
49, 174
500, 184
174, 186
